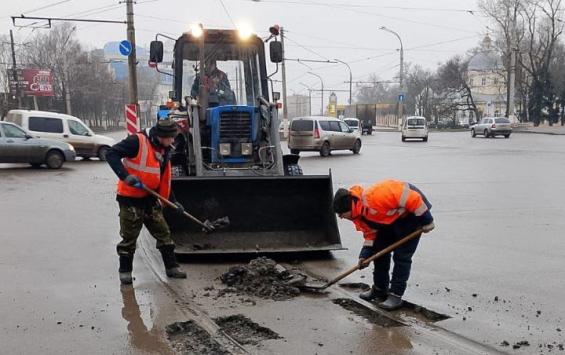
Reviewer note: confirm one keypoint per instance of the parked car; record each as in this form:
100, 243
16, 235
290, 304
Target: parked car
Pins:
18, 146
63, 127
415, 127
492, 127
323, 134
354, 124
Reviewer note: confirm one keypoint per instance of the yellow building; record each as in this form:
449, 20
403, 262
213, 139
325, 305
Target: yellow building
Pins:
486, 79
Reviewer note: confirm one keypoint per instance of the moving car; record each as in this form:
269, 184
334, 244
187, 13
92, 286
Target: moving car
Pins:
354, 123
415, 127
323, 134
18, 146
492, 127
63, 127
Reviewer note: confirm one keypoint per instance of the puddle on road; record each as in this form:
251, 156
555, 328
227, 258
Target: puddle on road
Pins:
367, 313
189, 338
244, 330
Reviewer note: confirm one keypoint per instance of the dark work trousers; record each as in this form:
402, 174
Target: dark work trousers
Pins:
402, 256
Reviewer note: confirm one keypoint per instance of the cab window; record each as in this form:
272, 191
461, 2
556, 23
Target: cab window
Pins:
344, 127
77, 128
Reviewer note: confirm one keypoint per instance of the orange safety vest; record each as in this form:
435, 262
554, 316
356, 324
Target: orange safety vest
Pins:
384, 203
146, 166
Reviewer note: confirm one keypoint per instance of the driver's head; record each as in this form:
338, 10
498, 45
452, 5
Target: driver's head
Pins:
210, 66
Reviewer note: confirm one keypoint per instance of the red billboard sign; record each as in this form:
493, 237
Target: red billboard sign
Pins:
33, 82
37, 82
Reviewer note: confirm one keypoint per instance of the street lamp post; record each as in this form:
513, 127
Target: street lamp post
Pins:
350, 78
401, 76
309, 98
322, 82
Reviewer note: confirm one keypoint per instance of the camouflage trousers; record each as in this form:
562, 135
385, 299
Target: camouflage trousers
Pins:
132, 219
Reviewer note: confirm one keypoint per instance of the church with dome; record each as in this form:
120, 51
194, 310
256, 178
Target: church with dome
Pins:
485, 77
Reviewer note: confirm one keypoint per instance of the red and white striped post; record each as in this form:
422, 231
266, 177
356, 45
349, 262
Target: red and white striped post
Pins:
132, 121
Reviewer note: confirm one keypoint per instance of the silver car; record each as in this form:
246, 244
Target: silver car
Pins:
18, 146
322, 134
492, 127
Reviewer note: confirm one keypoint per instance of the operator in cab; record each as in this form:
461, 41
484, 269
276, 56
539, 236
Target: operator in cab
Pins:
217, 84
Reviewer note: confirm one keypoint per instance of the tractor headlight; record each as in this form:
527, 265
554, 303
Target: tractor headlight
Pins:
225, 149
246, 148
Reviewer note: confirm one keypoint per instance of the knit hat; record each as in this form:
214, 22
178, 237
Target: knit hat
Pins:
342, 201
166, 128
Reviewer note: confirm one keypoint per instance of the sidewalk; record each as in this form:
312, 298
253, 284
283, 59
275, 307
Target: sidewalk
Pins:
541, 129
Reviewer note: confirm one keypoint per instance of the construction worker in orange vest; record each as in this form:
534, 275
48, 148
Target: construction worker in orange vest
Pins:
143, 159
386, 212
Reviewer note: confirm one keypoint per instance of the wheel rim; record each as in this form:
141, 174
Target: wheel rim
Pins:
486, 133
55, 160
326, 149
102, 153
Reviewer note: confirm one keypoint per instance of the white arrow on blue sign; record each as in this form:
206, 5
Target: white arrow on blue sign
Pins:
125, 48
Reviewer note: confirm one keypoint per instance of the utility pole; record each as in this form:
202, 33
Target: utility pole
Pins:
15, 71
132, 58
309, 98
511, 71
283, 72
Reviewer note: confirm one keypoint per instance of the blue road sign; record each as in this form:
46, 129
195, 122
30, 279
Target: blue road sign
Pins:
125, 47
401, 97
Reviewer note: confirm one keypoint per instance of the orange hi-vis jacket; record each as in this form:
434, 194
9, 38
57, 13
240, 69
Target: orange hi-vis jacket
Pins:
146, 166
383, 203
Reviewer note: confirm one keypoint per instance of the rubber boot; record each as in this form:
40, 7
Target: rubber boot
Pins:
126, 266
392, 302
171, 266
373, 293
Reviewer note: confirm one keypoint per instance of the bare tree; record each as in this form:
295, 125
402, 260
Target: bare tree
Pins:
544, 26
452, 90
378, 92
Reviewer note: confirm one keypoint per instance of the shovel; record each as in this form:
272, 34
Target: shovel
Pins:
319, 287
206, 225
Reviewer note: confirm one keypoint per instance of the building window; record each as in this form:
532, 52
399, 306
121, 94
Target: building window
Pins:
495, 81
483, 81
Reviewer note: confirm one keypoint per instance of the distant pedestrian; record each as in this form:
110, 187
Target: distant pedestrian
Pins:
143, 159
386, 212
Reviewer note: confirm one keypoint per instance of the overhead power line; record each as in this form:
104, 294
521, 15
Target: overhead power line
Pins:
45, 6
227, 12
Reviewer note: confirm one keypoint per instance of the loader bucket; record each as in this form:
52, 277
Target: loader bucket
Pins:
267, 214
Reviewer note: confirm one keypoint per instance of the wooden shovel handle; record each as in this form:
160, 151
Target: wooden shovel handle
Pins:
172, 205
386, 250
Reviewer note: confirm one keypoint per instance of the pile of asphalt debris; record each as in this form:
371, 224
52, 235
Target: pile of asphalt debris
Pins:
263, 278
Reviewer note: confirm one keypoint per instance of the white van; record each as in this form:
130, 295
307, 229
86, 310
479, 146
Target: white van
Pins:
63, 127
415, 127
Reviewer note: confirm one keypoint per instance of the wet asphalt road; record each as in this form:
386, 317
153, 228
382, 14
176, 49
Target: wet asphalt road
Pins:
499, 216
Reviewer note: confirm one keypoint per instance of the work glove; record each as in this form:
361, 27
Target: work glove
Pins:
428, 227
361, 264
180, 208
133, 180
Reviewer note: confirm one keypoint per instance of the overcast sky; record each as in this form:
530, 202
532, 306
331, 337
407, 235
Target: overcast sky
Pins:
431, 30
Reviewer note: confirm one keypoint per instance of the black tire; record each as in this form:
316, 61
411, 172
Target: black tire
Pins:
473, 134
486, 133
356, 147
54, 159
403, 139
325, 150
506, 136
35, 165
294, 151
102, 153
425, 139
370, 131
